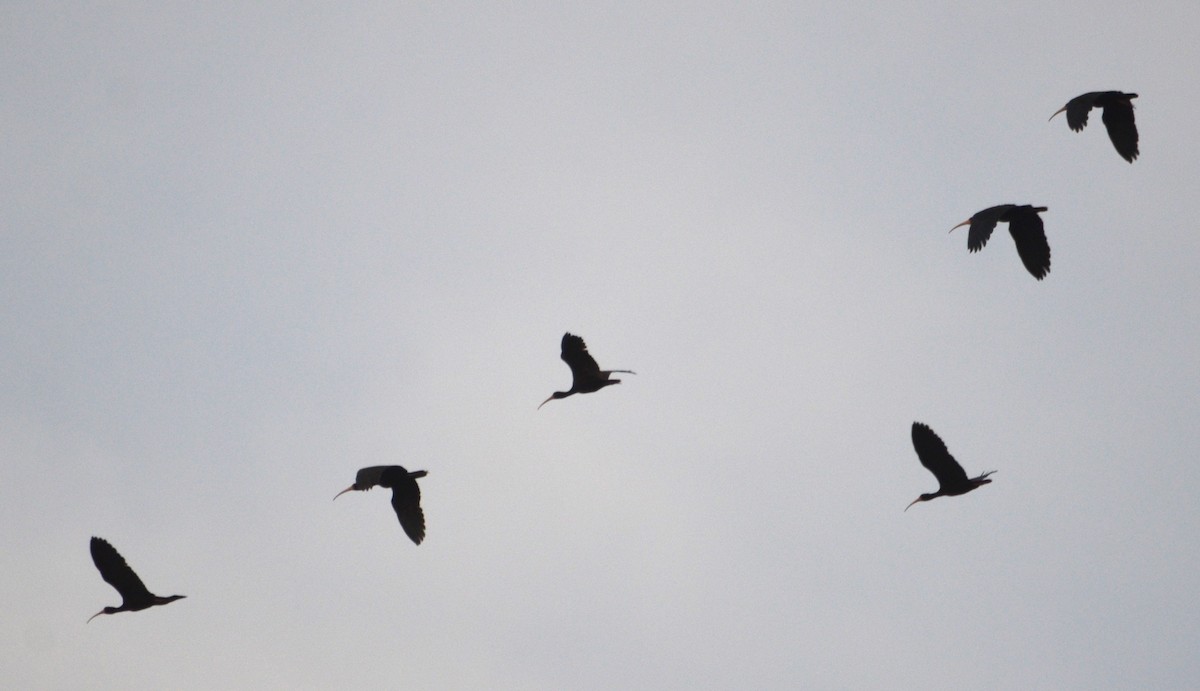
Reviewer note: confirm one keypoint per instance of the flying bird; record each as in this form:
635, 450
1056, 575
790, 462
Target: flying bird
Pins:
586, 375
1026, 229
114, 570
952, 479
406, 495
1117, 117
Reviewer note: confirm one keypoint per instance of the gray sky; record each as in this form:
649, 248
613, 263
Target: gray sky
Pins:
247, 251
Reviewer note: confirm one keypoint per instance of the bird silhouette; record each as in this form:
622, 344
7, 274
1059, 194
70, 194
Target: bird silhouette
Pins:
406, 495
1117, 116
586, 375
952, 479
1025, 226
114, 570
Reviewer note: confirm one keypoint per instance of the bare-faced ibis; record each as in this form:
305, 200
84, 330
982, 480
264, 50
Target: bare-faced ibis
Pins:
586, 375
1026, 229
1117, 117
114, 570
406, 495
952, 479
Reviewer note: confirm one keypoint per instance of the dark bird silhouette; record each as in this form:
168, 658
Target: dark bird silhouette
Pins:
1026, 229
406, 495
586, 375
951, 477
1117, 117
114, 570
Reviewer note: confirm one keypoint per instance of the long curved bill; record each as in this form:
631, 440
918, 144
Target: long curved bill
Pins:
94, 616
348, 489
1057, 112
960, 225
913, 502
545, 402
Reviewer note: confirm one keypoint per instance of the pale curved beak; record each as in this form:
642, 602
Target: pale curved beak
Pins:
545, 402
913, 502
1057, 112
94, 616
960, 225
351, 487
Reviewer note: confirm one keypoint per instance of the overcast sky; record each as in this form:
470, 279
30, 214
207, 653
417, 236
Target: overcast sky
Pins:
245, 251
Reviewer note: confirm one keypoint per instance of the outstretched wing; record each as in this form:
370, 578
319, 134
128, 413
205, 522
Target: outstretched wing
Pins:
1027, 230
936, 457
406, 500
982, 225
370, 477
1118, 120
575, 354
1078, 108
116, 572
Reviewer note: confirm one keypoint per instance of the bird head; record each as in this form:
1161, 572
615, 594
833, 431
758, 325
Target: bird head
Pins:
556, 394
350, 488
923, 497
106, 610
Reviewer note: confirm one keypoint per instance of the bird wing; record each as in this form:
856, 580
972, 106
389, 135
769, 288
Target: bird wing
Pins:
936, 457
370, 477
575, 354
1078, 108
116, 572
406, 500
1027, 230
982, 225
1118, 120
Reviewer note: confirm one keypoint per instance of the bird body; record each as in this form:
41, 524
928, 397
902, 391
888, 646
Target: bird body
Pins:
1117, 115
113, 569
1025, 226
934, 455
586, 375
406, 495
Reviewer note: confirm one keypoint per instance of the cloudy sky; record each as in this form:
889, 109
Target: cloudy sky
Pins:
245, 251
